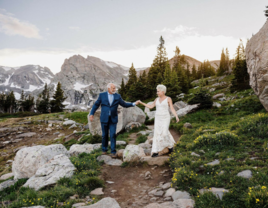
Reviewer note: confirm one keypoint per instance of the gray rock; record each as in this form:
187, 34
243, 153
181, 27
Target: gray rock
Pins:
188, 125
77, 149
215, 162
7, 184
183, 111
68, 122
133, 153
58, 167
170, 192
151, 114
155, 160
194, 154
245, 174
256, 58
28, 134
217, 96
107, 202
97, 191
218, 105
72, 126
132, 125
166, 185
6, 176
146, 110
159, 193
219, 192
180, 195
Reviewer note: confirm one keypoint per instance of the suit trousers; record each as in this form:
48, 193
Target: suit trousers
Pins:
106, 127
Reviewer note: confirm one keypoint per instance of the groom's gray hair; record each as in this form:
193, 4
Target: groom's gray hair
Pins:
109, 85
162, 88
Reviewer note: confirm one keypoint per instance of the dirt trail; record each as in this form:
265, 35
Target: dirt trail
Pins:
129, 187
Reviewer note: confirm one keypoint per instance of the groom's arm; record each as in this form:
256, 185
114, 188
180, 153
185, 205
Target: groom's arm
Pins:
95, 106
125, 104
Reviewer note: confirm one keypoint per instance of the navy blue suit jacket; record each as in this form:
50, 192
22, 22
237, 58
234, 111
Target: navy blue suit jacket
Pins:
106, 107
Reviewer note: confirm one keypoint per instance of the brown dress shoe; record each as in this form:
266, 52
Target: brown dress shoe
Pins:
104, 153
164, 151
113, 155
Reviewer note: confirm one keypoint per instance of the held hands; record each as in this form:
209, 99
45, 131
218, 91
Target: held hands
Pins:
91, 118
137, 102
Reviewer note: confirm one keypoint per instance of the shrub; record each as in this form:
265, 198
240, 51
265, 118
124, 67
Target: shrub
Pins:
223, 138
90, 139
184, 178
254, 126
203, 97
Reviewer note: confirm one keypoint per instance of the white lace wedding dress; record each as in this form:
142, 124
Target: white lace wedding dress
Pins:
162, 137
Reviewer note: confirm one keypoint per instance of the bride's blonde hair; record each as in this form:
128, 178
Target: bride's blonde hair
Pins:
162, 88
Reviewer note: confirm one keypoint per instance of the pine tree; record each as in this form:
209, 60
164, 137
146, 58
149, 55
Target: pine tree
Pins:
44, 104
222, 67
28, 103
171, 83
132, 79
241, 76
266, 11
159, 79
122, 90
194, 72
58, 99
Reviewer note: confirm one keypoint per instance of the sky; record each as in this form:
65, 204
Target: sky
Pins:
46, 32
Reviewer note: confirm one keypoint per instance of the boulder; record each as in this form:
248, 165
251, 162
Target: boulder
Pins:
97, 191
179, 203
186, 110
188, 125
109, 161
133, 153
6, 176
125, 116
107, 202
77, 149
218, 105
179, 105
120, 153
151, 114
146, 110
58, 167
180, 195
28, 134
29, 159
245, 174
257, 62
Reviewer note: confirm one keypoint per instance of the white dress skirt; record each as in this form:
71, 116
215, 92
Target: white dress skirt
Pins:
162, 137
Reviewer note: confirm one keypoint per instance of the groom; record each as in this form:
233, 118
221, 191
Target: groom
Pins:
109, 102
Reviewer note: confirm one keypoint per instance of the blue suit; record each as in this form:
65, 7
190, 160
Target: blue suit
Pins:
109, 117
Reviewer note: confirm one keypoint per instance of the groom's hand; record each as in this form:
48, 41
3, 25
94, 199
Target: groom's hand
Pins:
91, 118
137, 102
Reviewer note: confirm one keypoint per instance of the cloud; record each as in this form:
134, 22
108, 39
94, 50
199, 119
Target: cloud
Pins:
13, 26
74, 28
190, 42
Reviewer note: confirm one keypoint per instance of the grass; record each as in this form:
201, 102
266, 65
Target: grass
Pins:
231, 136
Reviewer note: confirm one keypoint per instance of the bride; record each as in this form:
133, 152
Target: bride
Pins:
163, 141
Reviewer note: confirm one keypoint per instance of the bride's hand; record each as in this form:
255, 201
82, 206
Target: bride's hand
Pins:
177, 119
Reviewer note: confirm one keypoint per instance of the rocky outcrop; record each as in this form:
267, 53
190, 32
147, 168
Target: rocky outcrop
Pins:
107, 202
125, 116
58, 167
257, 64
29, 159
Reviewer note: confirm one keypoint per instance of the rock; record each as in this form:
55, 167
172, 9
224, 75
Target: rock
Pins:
118, 143
133, 153
58, 167
222, 99
151, 193
145, 146
6, 176
169, 192
180, 203
182, 112
28, 134
215, 162
107, 202
7, 184
68, 122
194, 154
257, 62
115, 162
159, 193
109, 161
151, 114
146, 110
218, 105
202, 151
72, 126
188, 125
245, 174
120, 153
221, 173
97, 191
78, 205
132, 125
29, 159
218, 96
212, 89
180, 105
219, 192
61, 134
166, 185
125, 116
77, 149
155, 160
180, 195
38, 206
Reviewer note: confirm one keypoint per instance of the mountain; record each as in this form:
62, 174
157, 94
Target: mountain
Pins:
191, 62
27, 78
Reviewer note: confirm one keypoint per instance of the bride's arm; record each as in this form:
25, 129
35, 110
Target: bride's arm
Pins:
149, 106
172, 109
